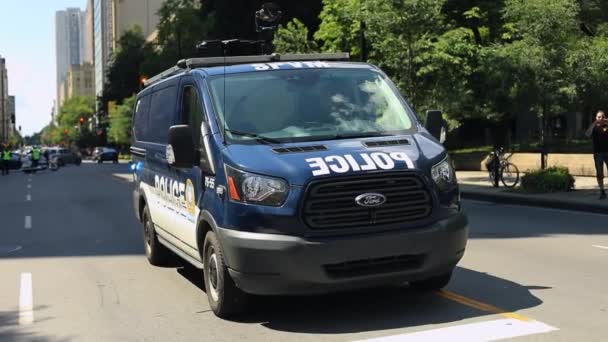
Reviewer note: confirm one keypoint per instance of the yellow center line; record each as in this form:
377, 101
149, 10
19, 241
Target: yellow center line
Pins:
481, 306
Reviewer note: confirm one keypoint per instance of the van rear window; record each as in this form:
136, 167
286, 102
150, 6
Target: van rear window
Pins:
154, 115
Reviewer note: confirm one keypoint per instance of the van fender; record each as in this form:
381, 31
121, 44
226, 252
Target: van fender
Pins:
205, 223
139, 199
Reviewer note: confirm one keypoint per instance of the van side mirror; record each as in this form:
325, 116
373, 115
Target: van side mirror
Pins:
180, 150
435, 125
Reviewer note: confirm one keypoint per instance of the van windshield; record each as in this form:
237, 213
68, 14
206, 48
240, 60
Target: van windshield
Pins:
306, 105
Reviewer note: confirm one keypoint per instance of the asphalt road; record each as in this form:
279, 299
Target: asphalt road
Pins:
72, 269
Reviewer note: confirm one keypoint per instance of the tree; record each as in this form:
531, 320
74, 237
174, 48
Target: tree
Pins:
482, 17
548, 29
339, 28
75, 108
588, 62
446, 71
120, 118
70, 130
125, 72
182, 26
293, 38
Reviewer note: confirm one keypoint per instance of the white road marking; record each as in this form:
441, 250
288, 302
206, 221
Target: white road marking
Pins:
29, 186
28, 222
26, 300
473, 332
598, 246
28, 198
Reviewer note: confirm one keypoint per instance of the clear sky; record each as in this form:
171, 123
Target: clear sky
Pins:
27, 42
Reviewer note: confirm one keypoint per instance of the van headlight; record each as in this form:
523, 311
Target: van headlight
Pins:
443, 174
256, 189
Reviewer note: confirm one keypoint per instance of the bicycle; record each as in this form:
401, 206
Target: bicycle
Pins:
508, 172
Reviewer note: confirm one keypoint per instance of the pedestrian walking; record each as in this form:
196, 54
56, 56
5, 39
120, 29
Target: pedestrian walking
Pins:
598, 132
35, 157
6, 158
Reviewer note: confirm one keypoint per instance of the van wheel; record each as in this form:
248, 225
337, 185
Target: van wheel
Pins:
432, 284
224, 297
156, 253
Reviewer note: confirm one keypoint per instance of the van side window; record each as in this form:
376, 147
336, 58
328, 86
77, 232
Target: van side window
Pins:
162, 110
192, 113
140, 120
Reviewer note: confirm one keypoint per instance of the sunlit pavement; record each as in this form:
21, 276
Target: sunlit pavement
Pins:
72, 269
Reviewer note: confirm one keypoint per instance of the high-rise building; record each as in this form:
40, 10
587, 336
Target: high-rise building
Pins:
102, 41
6, 126
62, 94
79, 81
88, 33
12, 112
69, 41
111, 18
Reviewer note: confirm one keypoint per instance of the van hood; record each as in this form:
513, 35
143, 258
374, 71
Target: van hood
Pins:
337, 157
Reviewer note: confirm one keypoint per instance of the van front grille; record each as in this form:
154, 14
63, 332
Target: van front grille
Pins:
330, 204
365, 267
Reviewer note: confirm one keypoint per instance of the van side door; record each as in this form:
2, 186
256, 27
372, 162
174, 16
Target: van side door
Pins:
153, 119
190, 113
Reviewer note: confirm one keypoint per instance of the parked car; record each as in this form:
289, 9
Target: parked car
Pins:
102, 154
26, 163
64, 156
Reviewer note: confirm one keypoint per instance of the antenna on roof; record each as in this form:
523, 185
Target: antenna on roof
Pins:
267, 22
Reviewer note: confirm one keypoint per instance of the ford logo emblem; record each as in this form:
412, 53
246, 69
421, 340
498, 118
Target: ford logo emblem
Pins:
370, 200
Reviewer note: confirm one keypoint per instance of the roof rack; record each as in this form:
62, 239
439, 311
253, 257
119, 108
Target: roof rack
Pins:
186, 64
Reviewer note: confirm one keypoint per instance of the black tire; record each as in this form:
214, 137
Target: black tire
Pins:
156, 253
115, 161
432, 284
509, 175
78, 162
225, 298
60, 162
99, 161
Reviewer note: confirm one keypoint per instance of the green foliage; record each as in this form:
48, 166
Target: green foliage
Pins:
339, 28
120, 122
182, 25
293, 38
489, 59
69, 131
553, 179
127, 66
588, 62
446, 70
74, 108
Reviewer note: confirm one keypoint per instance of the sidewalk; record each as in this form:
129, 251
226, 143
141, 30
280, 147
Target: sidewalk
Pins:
585, 197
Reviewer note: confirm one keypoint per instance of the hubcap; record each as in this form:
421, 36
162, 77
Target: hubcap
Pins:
213, 275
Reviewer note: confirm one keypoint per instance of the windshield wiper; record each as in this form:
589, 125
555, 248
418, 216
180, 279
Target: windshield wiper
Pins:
257, 137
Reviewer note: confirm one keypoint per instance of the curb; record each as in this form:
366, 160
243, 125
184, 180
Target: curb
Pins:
523, 200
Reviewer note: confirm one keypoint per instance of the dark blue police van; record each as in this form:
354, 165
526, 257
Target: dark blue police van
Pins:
292, 174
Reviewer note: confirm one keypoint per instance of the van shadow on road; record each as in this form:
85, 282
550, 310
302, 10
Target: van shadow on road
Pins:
381, 308
10, 330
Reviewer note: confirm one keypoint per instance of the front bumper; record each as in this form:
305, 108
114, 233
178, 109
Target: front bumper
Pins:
270, 264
